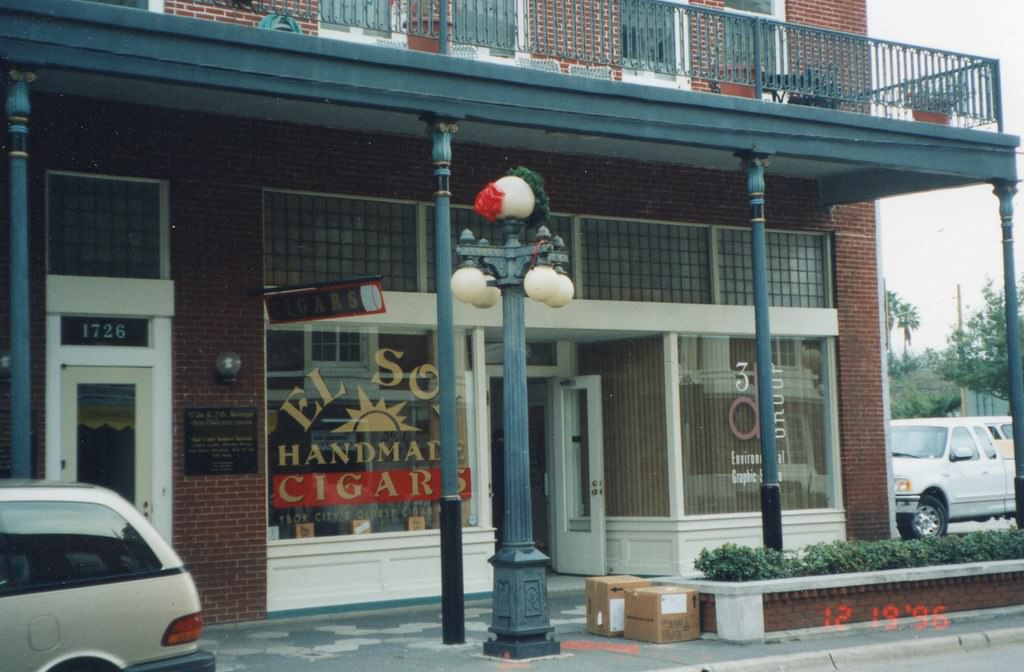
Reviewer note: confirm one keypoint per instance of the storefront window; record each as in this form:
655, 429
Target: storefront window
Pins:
353, 431
719, 414
633, 413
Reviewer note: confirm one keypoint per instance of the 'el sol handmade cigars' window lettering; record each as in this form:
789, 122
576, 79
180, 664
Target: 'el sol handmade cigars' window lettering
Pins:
353, 443
719, 410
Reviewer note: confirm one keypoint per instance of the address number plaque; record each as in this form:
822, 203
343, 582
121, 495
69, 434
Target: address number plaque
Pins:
99, 330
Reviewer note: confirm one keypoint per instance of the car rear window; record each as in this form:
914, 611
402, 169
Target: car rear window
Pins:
56, 544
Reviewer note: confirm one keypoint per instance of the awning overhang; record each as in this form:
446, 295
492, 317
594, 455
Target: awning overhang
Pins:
120, 54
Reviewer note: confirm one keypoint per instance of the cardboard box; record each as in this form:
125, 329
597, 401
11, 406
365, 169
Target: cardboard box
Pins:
416, 523
606, 603
662, 614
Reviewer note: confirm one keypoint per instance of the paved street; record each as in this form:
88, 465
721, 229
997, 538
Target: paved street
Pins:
1006, 657
410, 639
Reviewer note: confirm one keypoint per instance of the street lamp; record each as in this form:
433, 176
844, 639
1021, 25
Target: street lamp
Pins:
519, 620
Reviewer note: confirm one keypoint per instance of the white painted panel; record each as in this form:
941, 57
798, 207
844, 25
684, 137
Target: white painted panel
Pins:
81, 295
337, 571
315, 582
665, 547
414, 309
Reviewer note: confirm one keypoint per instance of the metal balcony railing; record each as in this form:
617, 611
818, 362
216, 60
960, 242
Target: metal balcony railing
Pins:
297, 9
710, 48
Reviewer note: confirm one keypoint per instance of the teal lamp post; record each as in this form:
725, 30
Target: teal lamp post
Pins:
520, 620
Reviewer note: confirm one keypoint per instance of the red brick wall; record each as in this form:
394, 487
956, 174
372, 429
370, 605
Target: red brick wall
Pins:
216, 248
927, 603
845, 15
216, 167
861, 412
237, 15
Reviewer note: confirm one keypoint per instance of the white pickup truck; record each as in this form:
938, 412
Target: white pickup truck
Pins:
949, 469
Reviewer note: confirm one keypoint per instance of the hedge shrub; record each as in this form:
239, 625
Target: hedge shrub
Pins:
731, 562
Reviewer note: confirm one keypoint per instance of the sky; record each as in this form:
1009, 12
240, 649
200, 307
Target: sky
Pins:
935, 242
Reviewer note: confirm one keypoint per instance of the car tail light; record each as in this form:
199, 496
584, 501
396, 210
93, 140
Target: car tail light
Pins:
183, 630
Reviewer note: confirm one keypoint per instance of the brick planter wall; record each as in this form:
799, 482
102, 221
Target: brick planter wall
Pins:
925, 597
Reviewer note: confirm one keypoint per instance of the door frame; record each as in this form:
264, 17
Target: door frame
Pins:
83, 296
575, 551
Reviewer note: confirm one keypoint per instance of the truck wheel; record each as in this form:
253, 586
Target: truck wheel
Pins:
930, 519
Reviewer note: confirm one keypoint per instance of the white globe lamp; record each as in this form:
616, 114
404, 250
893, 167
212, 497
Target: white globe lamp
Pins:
519, 199
541, 282
489, 296
468, 284
563, 292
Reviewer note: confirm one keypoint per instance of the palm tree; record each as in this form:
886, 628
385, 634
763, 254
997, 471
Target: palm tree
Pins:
902, 315
908, 320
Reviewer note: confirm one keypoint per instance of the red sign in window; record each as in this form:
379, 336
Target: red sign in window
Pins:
363, 487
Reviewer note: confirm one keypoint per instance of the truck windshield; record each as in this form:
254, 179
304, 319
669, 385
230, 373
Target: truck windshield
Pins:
926, 442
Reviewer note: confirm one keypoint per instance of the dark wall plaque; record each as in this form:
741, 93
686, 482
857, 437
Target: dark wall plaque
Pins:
220, 441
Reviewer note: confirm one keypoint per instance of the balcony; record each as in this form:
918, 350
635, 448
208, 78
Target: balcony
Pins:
683, 46
829, 107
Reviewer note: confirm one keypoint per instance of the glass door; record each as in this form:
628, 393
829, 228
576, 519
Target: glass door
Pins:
578, 469
106, 430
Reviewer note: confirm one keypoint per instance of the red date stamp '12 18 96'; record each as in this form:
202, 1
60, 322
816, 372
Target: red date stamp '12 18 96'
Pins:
890, 616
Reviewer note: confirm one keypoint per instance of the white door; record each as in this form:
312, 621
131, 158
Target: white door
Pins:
578, 474
107, 428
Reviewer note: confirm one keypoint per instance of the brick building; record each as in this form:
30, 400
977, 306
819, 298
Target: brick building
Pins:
189, 160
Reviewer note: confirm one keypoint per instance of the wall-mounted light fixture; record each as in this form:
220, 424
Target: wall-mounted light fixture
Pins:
228, 366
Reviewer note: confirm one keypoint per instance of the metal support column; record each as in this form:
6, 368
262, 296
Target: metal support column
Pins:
1005, 190
771, 501
17, 109
520, 619
519, 616
453, 615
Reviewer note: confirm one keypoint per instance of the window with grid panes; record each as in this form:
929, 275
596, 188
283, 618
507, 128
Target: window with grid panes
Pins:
103, 227
336, 346
645, 261
796, 269
311, 239
466, 218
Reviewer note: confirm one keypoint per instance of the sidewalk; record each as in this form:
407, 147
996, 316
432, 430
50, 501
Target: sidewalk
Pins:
410, 639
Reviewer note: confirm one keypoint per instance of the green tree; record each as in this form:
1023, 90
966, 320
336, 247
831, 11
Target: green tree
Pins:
917, 388
976, 357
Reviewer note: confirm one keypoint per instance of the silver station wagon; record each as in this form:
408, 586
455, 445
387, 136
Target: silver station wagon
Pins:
87, 584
